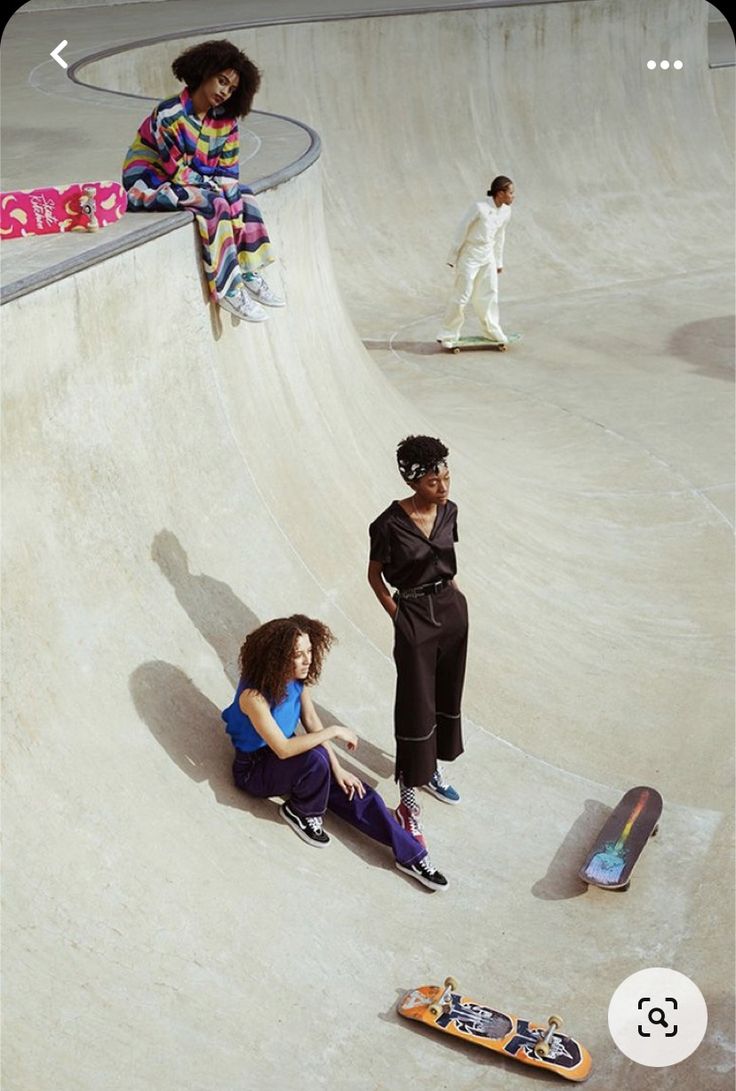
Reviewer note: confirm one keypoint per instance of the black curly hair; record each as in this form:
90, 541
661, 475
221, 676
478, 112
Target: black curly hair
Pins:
267, 657
200, 62
420, 451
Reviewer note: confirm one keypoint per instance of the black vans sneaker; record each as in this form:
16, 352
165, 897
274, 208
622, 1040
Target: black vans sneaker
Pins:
309, 829
425, 874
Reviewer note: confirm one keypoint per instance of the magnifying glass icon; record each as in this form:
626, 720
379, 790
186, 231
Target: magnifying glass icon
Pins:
660, 1021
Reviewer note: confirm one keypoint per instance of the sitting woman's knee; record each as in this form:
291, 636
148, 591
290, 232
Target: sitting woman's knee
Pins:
318, 758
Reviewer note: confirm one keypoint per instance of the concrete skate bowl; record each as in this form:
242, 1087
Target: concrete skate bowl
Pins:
172, 479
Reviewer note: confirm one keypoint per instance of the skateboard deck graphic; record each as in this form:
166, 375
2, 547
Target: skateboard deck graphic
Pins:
443, 1008
50, 210
479, 343
622, 838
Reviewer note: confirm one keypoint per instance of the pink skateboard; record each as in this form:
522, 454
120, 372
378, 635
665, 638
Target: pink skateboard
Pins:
81, 206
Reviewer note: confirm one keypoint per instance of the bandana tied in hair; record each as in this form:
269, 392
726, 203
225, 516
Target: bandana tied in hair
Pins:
413, 471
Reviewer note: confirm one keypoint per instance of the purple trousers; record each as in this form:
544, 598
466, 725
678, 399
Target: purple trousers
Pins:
306, 780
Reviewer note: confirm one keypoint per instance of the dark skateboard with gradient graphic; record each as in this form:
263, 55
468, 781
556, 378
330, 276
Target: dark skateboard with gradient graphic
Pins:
619, 843
442, 1007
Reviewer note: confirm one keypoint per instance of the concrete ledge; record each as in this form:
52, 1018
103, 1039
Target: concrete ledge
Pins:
121, 237
24, 271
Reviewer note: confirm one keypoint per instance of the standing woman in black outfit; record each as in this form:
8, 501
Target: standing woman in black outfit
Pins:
413, 550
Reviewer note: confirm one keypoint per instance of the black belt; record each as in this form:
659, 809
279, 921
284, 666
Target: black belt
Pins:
425, 589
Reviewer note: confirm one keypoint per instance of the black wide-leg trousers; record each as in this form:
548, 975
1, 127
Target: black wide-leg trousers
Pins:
430, 649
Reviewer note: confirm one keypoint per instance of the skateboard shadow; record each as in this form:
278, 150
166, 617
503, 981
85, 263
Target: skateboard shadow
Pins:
561, 879
414, 348
707, 345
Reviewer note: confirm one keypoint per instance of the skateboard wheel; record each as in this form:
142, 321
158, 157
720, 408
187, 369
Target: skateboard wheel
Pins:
89, 207
541, 1049
455, 352
501, 348
555, 1021
451, 983
434, 1009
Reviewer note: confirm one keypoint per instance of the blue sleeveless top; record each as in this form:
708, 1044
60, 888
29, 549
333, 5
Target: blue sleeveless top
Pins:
286, 714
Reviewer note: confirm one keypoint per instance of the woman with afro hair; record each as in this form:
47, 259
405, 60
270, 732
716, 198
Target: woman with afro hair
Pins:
279, 661
185, 155
412, 548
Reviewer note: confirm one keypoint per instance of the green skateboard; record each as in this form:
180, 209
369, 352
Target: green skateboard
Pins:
479, 343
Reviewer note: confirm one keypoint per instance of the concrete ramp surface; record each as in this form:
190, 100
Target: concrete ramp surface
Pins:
172, 478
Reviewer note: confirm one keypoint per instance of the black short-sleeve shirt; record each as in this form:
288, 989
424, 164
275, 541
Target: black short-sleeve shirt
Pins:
409, 558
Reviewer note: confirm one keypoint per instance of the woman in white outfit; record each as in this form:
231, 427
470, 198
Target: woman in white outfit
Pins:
477, 256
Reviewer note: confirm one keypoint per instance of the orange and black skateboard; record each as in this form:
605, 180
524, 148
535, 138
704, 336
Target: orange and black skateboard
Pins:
619, 844
442, 1007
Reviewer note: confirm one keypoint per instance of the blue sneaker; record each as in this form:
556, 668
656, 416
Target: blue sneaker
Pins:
440, 787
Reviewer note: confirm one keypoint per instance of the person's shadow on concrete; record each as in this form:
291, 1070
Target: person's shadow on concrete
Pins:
211, 605
188, 726
224, 621
561, 880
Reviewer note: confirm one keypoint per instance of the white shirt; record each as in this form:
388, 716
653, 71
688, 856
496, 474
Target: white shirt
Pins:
481, 233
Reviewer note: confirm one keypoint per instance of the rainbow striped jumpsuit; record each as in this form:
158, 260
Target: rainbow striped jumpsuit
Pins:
178, 160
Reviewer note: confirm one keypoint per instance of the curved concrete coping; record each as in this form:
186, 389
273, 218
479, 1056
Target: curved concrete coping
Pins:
80, 251
83, 251
283, 146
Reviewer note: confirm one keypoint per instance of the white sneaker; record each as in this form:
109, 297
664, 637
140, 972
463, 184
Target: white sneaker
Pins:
261, 291
242, 306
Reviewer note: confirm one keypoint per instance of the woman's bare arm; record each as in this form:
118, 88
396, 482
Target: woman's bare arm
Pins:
256, 708
380, 590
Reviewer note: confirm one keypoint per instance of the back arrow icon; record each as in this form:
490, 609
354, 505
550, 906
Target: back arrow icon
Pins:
55, 54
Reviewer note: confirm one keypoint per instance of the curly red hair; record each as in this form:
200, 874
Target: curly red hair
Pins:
267, 656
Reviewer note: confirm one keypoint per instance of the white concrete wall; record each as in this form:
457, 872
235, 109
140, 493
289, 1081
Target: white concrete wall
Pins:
171, 479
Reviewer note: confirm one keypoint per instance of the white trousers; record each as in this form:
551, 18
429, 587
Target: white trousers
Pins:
477, 283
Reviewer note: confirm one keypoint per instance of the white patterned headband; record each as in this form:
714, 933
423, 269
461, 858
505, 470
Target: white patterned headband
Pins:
413, 471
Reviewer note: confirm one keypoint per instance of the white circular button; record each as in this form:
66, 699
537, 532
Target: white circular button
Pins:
657, 1017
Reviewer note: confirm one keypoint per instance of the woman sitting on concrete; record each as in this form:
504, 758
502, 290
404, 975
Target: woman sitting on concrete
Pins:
185, 155
278, 662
